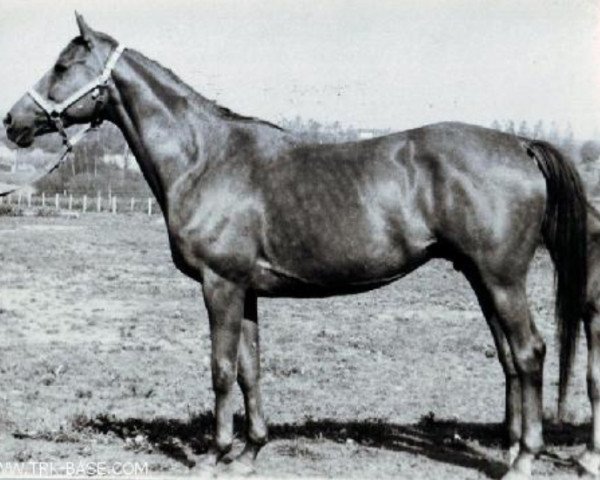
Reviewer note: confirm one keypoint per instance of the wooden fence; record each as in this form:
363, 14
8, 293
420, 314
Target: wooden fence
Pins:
82, 203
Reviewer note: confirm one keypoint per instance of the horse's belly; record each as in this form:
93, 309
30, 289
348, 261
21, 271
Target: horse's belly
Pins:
334, 277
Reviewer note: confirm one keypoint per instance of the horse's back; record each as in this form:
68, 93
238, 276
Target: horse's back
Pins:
377, 209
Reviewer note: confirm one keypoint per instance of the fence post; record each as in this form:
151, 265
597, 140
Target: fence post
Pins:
9, 198
57, 201
99, 203
70, 202
132, 204
114, 204
19, 199
29, 200
43, 199
84, 206
149, 206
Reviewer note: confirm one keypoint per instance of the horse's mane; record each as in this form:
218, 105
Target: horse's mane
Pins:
219, 110
226, 113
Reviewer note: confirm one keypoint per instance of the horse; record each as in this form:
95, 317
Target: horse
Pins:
253, 211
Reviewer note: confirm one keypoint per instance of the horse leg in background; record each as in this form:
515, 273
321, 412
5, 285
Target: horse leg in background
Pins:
248, 379
527, 347
225, 305
589, 461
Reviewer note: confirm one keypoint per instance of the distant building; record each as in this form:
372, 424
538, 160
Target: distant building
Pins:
364, 134
125, 161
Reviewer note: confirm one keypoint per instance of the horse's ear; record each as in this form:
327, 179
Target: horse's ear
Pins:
87, 34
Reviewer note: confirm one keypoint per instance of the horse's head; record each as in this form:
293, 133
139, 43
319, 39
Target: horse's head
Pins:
69, 93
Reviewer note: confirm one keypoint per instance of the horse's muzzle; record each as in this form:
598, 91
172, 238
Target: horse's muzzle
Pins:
20, 129
7, 120
22, 136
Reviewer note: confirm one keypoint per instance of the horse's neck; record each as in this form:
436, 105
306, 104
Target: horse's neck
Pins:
165, 123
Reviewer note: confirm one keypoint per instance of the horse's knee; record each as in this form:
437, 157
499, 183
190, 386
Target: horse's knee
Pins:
529, 359
223, 374
527, 347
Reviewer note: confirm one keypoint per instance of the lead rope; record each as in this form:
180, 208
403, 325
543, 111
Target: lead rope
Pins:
69, 144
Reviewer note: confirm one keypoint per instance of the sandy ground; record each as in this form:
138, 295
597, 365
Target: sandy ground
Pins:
105, 358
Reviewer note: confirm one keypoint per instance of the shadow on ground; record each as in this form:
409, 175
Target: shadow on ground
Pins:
452, 442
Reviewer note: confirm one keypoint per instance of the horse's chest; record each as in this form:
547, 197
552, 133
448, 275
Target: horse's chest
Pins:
220, 241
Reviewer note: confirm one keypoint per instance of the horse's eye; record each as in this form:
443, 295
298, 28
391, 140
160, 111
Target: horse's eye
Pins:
60, 68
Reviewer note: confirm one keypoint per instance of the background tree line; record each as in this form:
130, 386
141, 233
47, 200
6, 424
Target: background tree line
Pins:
585, 154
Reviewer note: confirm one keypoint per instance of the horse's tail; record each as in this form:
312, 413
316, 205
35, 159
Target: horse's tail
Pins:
564, 232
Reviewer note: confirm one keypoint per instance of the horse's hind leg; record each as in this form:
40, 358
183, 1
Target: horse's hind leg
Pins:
513, 416
509, 301
513, 402
249, 379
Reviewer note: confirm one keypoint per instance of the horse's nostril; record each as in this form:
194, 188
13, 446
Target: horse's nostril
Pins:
8, 119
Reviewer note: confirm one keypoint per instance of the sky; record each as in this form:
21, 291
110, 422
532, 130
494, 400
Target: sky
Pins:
368, 63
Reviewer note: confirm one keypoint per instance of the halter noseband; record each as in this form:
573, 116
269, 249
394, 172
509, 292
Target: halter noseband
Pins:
56, 110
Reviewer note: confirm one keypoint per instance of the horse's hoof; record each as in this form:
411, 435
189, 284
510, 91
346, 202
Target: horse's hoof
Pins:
204, 471
587, 476
513, 453
515, 475
236, 468
206, 465
588, 464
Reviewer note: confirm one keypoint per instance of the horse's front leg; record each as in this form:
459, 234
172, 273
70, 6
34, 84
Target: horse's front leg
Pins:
225, 305
590, 460
249, 379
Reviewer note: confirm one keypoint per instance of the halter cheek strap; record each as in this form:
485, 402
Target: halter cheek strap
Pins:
56, 110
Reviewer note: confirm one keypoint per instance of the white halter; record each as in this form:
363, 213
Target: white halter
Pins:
55, 110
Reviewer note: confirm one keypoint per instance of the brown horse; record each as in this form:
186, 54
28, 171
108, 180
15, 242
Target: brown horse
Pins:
252, 211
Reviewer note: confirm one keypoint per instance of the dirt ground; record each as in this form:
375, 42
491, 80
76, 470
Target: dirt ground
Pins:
105, 357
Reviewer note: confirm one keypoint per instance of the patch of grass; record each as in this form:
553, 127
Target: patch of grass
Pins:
46, 212
299, 448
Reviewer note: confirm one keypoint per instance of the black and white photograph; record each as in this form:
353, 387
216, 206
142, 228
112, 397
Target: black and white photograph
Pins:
300, 239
